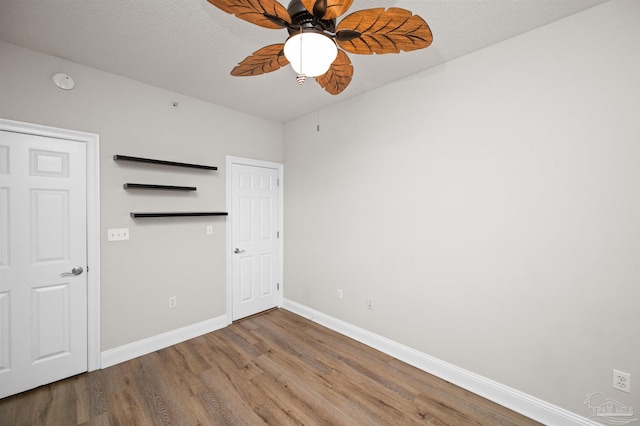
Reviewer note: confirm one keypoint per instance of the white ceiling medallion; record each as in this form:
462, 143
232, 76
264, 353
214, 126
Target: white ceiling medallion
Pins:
63, 81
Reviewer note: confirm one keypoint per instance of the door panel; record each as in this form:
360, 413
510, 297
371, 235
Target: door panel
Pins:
266, 287
4, 227
43, 310
4, 332
254, 213
49, 225
50, 313
245, 282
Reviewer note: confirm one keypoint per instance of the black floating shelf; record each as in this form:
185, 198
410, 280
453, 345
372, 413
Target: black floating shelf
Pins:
181, 214
118, 157
166, 187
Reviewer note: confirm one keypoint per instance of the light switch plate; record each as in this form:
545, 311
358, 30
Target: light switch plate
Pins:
117, 234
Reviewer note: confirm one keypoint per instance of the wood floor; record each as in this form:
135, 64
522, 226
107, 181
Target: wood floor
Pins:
276, 368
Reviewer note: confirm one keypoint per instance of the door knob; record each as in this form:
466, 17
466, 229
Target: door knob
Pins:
75, 271
237, 250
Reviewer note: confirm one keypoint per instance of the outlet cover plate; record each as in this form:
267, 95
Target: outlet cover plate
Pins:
622, 381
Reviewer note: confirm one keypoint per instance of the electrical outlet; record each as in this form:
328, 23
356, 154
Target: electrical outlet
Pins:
172, 302
118, 234
209, 229
339, 293
622, 381
370, 303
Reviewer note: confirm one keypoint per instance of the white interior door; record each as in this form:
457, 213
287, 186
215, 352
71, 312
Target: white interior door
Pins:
43, 304
254, 216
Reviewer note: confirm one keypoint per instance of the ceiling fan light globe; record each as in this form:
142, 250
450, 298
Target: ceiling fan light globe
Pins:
314, 57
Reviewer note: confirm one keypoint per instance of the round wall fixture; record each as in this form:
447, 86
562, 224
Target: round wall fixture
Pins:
63, 81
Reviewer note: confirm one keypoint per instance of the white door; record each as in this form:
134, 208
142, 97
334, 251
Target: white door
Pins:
43, 304
254, 216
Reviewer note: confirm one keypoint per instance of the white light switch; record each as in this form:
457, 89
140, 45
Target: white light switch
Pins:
118, 234
209, 229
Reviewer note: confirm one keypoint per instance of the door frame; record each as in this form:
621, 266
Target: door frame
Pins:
92, 142
230, 160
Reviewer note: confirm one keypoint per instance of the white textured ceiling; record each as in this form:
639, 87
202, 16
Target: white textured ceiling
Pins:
189, 46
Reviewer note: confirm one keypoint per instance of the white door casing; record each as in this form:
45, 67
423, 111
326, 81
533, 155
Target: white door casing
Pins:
254, 243
48, 316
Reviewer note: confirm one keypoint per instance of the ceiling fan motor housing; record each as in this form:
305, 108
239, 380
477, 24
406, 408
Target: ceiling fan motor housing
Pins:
301, 19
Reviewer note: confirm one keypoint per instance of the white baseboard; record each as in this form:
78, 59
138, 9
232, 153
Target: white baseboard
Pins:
142, 347
513, 399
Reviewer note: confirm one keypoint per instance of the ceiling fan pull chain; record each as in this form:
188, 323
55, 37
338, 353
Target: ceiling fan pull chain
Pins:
301, 41
302, 77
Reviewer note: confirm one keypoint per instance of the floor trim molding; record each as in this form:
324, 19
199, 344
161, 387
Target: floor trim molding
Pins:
142, 347
513, 399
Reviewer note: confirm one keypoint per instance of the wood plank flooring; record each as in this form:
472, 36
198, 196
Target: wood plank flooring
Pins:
276, 368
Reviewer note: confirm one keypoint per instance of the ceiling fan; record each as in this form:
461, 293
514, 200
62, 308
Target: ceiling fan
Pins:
313, 34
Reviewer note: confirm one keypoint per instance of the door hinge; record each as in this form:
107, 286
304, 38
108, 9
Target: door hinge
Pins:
278, 234
278, 181
278, 286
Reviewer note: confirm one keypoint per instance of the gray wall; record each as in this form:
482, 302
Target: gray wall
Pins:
164, 257
490, 207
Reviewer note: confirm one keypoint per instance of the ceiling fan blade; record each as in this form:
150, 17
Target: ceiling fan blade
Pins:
269, 58
383, 31
327, 9
265, 13
339, 75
